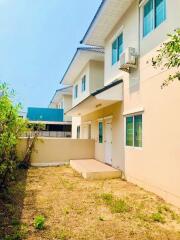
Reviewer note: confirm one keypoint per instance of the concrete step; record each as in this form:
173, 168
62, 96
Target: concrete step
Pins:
92, 169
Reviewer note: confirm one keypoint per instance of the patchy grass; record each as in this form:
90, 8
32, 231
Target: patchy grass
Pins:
116, 205
119, 206
158, 217
77, 209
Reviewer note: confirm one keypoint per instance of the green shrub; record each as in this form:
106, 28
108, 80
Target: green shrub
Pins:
11, 128
39, 222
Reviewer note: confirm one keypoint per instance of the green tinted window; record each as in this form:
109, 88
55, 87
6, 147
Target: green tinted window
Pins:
84, 84
129, 131
117, 49
138, 131
100, 132
115, 52
120, 45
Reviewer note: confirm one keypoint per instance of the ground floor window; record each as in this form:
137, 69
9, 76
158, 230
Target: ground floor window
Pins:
134, 131
100, 132
78, 132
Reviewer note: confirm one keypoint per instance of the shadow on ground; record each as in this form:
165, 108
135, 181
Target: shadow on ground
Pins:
11, 206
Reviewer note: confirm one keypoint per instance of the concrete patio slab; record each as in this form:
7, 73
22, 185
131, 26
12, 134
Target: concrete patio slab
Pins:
92, 169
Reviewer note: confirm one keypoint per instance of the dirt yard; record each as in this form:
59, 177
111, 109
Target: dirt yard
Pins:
76, 209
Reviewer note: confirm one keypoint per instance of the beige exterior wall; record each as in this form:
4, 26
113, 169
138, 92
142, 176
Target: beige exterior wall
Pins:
67, 102
78, 81
156, 165
96, 75
76, 121
115, 111
128, 24
53, 151
94, 72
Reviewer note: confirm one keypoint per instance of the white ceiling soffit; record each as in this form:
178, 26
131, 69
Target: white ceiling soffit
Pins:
93, 104
104, 21
98, 101
80, 60
112, 94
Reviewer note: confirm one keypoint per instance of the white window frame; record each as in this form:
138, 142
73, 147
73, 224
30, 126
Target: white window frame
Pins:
116, 35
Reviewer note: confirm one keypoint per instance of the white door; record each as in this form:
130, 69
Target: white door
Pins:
85, 131
108, 142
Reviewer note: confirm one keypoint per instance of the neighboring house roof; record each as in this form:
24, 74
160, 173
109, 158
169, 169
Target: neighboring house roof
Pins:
81, 57
45, 114
106, 17
65, 90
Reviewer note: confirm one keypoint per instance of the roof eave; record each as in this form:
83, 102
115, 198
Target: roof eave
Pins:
83, 41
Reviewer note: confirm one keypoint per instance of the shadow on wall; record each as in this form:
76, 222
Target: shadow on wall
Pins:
134, 80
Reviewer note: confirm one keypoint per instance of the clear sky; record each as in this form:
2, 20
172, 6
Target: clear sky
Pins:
37, 41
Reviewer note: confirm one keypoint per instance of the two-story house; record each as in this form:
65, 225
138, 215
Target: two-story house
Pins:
62, 99
86, 74
133, 121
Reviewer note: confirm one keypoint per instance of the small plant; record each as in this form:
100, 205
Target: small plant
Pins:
39, 222
119, 206
158, 217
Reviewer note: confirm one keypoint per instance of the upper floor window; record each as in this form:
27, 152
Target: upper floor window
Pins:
84, 83
154, 13
76, 91
117, 49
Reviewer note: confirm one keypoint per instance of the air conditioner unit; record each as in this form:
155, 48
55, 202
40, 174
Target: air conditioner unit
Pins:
128, 59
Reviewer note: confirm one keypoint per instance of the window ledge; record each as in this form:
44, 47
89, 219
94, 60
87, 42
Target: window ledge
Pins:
133, 111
